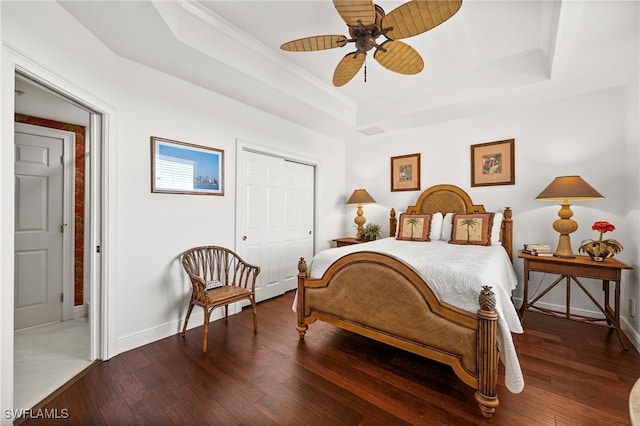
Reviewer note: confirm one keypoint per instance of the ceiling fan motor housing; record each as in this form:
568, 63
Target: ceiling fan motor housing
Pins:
365, 36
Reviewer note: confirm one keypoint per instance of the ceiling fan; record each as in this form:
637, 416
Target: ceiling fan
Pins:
366, 22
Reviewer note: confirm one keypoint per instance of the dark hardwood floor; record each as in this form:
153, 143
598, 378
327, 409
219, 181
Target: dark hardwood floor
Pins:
575, 374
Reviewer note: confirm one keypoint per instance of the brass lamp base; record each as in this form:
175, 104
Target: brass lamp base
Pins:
565, 226
564, 247
359, 220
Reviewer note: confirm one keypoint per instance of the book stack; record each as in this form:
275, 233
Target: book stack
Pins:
537, 249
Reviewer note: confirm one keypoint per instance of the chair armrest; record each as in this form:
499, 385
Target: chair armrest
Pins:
198, 286
246, 275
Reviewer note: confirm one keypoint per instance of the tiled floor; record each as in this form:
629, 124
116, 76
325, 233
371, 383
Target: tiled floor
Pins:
46, 357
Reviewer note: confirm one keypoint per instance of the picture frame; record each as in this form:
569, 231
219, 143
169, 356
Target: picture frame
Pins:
493, 163
184, 168
405, 172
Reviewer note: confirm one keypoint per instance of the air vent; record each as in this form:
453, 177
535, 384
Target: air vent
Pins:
372, 131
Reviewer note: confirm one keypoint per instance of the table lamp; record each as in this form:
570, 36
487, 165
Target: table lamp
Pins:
360, 197
564, 189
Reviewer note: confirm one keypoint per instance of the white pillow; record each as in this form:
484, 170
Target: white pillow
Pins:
446, 227
495, 231
436, 226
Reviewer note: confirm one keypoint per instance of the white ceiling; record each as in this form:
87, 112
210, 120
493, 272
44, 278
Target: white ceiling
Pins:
491, 53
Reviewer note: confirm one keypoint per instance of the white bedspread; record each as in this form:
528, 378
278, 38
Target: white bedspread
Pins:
456, 273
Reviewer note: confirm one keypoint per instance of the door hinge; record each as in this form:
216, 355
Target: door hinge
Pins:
97, 249
62, 297
62, 159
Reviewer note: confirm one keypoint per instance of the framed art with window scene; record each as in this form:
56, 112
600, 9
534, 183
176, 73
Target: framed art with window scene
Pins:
184, 168
493, 163
405, 173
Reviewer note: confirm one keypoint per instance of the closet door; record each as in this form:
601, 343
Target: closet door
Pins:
276, 219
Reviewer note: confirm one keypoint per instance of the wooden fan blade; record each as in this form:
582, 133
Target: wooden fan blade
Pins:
353, 10
320, 42
418, 16
399, 57
347, 68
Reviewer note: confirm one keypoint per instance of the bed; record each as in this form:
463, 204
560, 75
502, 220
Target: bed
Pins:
379, 290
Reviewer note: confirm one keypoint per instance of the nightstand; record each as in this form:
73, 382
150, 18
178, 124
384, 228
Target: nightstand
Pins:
347, 241
570, 269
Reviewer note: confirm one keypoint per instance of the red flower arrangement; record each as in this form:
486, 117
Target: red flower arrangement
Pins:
603, 227
601, 249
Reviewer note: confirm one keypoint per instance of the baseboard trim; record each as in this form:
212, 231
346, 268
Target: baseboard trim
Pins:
561, 308
631, 333
150, 335
80, 311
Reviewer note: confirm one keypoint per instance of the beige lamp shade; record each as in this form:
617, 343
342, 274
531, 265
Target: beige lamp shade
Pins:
360, 197
569, 188
564, 189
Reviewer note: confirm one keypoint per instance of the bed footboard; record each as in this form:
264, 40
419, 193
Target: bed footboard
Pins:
382, 298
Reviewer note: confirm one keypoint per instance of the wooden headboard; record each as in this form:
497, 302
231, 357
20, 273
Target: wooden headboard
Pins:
451, 199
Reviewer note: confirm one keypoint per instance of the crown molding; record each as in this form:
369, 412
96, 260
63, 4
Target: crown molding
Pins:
218, 38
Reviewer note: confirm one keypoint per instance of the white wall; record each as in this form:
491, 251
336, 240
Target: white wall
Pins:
585, 135
631, 290
6, 275
150, 230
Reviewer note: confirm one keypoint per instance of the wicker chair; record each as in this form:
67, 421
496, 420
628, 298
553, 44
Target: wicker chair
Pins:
218, 277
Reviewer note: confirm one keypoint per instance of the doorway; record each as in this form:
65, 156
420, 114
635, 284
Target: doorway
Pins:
55, 331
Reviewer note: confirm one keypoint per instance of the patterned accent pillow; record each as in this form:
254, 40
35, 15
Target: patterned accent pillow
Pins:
473, 228
414, 227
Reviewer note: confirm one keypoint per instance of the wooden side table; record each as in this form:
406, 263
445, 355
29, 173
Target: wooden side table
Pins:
571, 270
347, 241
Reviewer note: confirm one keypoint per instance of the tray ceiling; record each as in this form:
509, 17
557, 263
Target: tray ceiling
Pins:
489, 53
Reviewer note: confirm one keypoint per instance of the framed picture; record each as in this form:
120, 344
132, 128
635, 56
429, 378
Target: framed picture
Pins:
184, 168
493, 163
405, 173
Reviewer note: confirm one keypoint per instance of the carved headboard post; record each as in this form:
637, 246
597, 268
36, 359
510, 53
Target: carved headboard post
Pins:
506, 232
393, 223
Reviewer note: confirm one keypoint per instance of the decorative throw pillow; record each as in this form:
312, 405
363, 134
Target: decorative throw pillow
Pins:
473, 228
414, 227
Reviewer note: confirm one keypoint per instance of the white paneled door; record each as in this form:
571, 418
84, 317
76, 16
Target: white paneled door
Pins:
39, 225
276, 219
